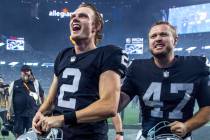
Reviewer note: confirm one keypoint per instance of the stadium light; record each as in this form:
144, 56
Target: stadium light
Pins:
191, 48
2, 62
178, 49
31, 64
47, 65
2, 44
12, 64
205, 47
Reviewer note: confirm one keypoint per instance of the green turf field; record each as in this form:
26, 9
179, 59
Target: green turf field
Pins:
131, 114
10, 137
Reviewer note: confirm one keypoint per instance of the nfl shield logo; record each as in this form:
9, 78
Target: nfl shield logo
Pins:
73, 58
166, 74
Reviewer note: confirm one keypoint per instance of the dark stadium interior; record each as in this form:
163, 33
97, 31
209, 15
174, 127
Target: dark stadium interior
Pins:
45, 32
44, 36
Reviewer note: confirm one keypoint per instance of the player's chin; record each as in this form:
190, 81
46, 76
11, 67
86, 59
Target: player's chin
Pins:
158, 53
78, 36
74, 36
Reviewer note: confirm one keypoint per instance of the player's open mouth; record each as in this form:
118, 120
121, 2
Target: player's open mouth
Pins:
76, 27
159, 46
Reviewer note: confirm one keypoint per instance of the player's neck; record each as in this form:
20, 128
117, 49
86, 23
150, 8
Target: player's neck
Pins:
164, 62
84, 46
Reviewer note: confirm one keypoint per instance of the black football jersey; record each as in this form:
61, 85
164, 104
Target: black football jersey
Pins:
78, 78
169, 93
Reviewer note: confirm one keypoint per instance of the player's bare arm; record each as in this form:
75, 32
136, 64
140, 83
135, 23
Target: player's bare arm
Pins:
106, 106
117, 122
199, 119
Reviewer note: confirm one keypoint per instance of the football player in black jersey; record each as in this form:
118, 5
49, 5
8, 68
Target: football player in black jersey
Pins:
86, 85
168, 85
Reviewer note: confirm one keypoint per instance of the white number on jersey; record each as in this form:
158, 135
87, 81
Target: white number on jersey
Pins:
69, 89
155, 90
124, 59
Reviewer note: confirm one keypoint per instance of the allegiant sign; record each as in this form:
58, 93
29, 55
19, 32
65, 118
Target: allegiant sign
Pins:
62, 14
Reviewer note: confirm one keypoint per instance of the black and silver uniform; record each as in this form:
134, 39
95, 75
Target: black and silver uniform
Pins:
168, 93
78, 81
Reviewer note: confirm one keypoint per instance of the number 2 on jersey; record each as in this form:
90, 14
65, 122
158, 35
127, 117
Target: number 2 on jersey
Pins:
71, 89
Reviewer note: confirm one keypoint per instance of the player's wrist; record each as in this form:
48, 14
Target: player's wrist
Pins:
40, 110
70, 118
187, 127
120, 133
40, 113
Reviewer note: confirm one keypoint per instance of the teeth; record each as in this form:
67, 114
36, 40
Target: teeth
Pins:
76, 26
159, 46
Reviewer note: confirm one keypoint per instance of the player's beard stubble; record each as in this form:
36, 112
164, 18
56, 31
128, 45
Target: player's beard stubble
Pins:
162, 54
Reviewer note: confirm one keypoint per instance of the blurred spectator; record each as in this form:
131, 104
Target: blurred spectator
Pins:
3, 93
25, 95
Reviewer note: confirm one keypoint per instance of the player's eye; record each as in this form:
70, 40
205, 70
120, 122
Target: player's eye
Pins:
164, 34
153, 36
83, 15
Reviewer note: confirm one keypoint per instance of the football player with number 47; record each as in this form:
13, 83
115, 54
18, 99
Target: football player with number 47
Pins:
86, 86
168, 85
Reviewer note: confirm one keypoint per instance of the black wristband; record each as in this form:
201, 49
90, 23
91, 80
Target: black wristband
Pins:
70, 118
120, 133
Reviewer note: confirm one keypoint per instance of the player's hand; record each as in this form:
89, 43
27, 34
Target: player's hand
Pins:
118, 137
37, 122
52, 122
178, 128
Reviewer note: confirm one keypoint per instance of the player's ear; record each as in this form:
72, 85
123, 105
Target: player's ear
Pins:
96, 27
